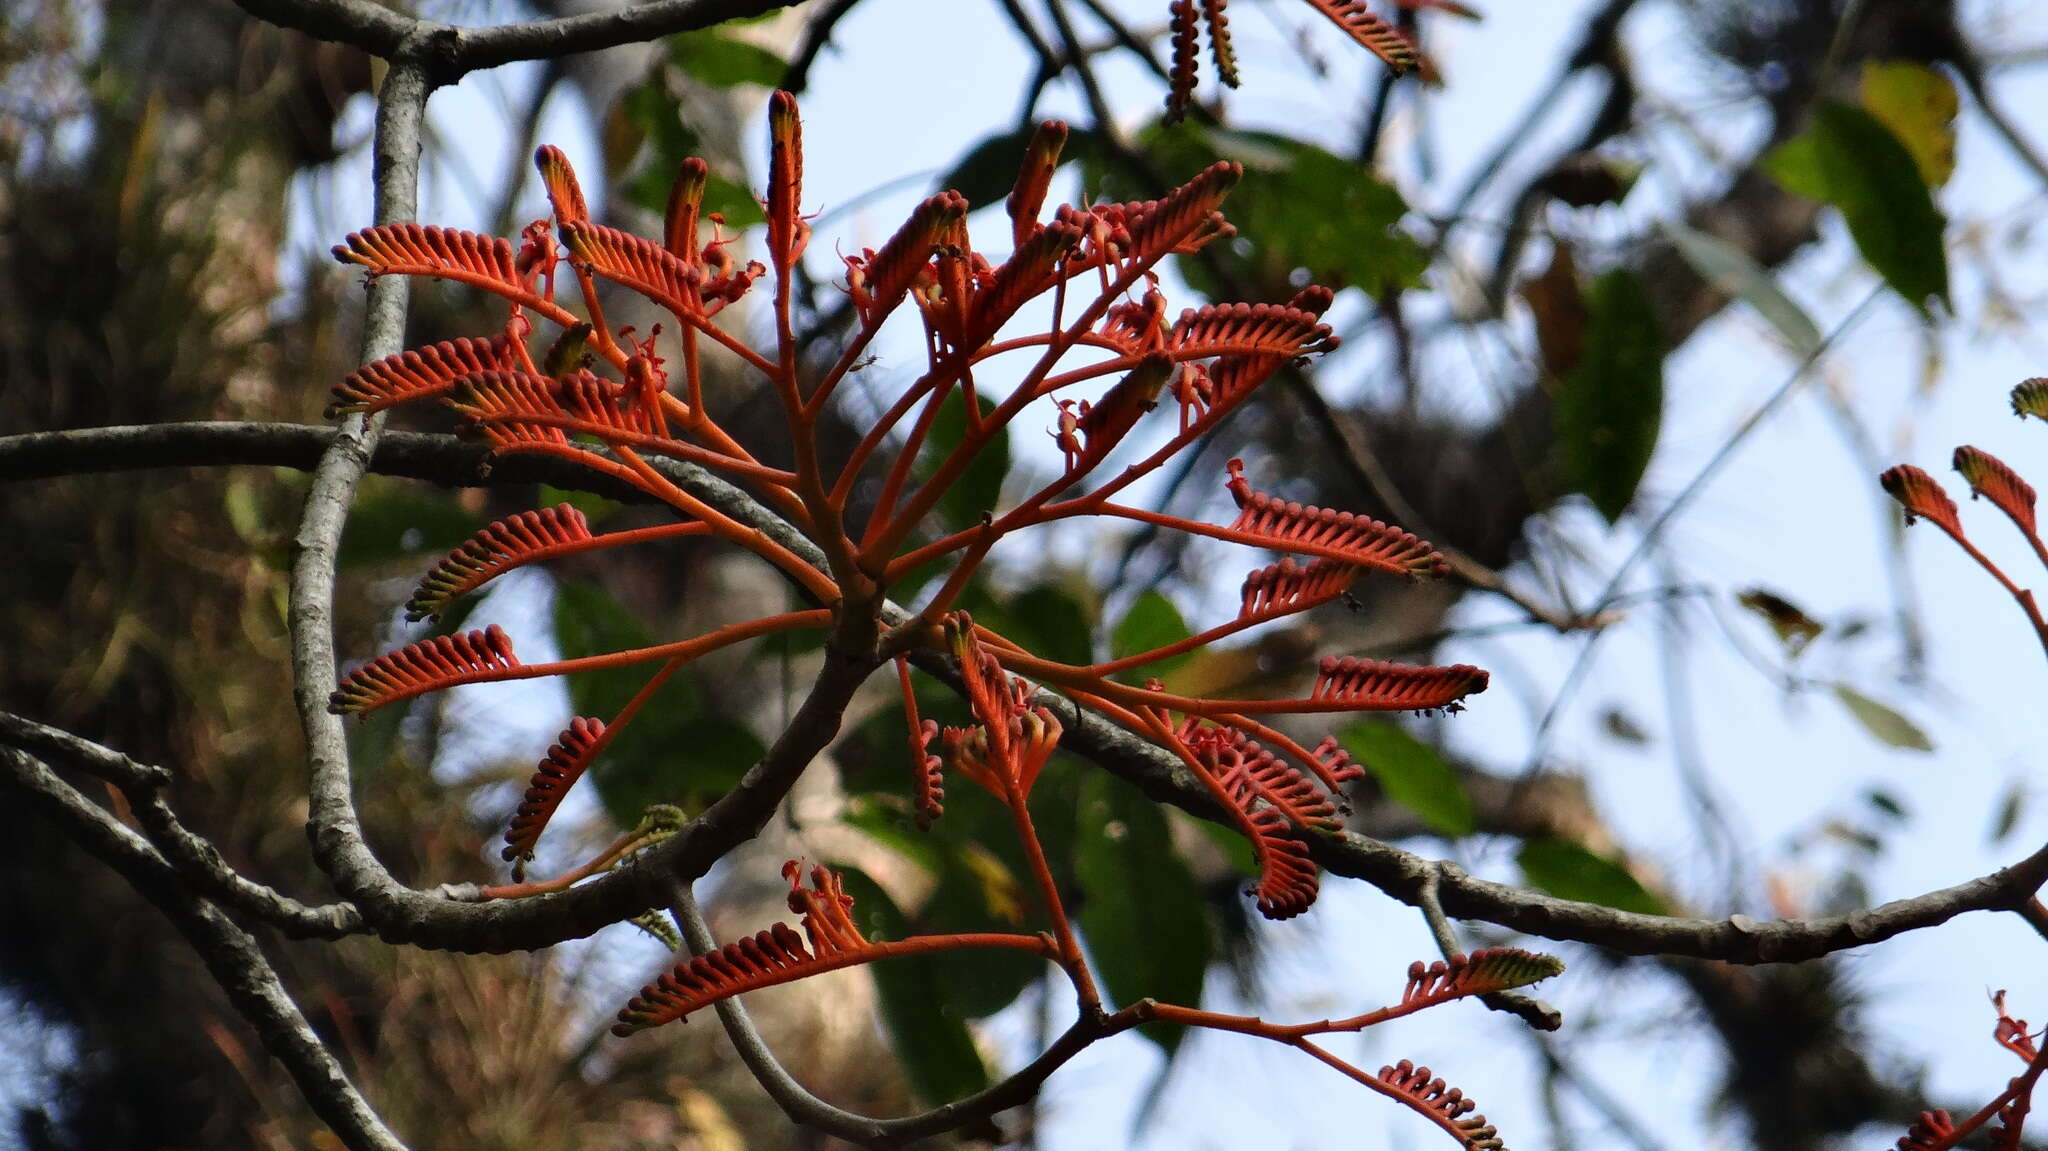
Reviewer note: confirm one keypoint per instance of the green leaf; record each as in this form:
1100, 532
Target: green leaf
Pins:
650, 760
1304, 211
1412, 774
1142, 912
1569, 871
1731, 269
1918, 104
392, 521
1311, 211
1849, 159
975, 493
1054, 625
649, 117
1884, 724
988, 171
928, 1031
595, 508
1152, 622
1610, 406
722, 62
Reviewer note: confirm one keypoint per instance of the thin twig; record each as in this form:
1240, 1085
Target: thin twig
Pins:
1582, 662
803, 1107
1529, 1009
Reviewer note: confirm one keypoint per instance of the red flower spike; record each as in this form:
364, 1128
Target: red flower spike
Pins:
1309, 530
879, 280
1922, 496
559, 770
416, 374
1249, 330
1442, 1104
1240, 762
1181, 80
1031, 270
564, 192
512, 410
1219, 42
1483, 972
1027, 197
1108, 420
430, 665
637, 263
1180, 221
1373, 685
1371, 32
1989, 477
685, 201
481, 261
508, 543
2030, 398
1287, 876
787, 233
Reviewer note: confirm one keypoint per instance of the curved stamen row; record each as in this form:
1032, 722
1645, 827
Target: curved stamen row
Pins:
1374, 34
417, 374
1136, 325
1287, 587
429, 665
1251, 330
429, 250
928, 779
1326, 531
1374, 685
1443, 1103
503, 545
1287, 876
558, 771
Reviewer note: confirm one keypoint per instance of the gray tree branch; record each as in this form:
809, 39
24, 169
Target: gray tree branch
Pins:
230, 954
432, 921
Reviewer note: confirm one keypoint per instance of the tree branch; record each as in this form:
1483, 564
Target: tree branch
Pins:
193, 856
438, 922
230, 954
